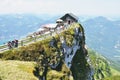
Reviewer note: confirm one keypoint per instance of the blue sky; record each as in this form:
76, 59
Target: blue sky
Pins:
79, 7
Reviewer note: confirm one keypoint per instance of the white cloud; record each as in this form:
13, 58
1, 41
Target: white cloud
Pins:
85, 7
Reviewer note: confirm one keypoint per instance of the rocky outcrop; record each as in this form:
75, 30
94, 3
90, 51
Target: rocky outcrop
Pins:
63, 54
74, 54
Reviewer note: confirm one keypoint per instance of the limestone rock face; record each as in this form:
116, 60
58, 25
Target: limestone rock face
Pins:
74, 53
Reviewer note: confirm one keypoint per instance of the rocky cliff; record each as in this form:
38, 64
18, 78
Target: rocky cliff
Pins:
62, 56
65, 54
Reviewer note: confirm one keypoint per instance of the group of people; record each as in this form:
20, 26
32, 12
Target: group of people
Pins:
12, 44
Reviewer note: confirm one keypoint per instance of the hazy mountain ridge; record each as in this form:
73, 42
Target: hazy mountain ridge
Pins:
102, 35
16, 26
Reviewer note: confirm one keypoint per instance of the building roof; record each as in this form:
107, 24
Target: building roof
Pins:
50, 25
71, 15
59, 20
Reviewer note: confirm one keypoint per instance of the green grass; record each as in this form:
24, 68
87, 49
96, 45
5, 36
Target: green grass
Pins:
54, 75
115, 72
23, 70
100, 62
17, 70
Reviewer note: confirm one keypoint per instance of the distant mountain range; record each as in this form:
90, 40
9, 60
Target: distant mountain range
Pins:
101, 33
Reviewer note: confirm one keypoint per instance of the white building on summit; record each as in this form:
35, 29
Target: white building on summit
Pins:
69, 18
61, 23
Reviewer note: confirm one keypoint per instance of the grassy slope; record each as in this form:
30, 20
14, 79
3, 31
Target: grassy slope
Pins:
16, 70
115, 75
114, 72
101, 63
23, 70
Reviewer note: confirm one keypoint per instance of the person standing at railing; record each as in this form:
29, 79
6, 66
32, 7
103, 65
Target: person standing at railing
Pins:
13, 44
16, 43
9, 44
